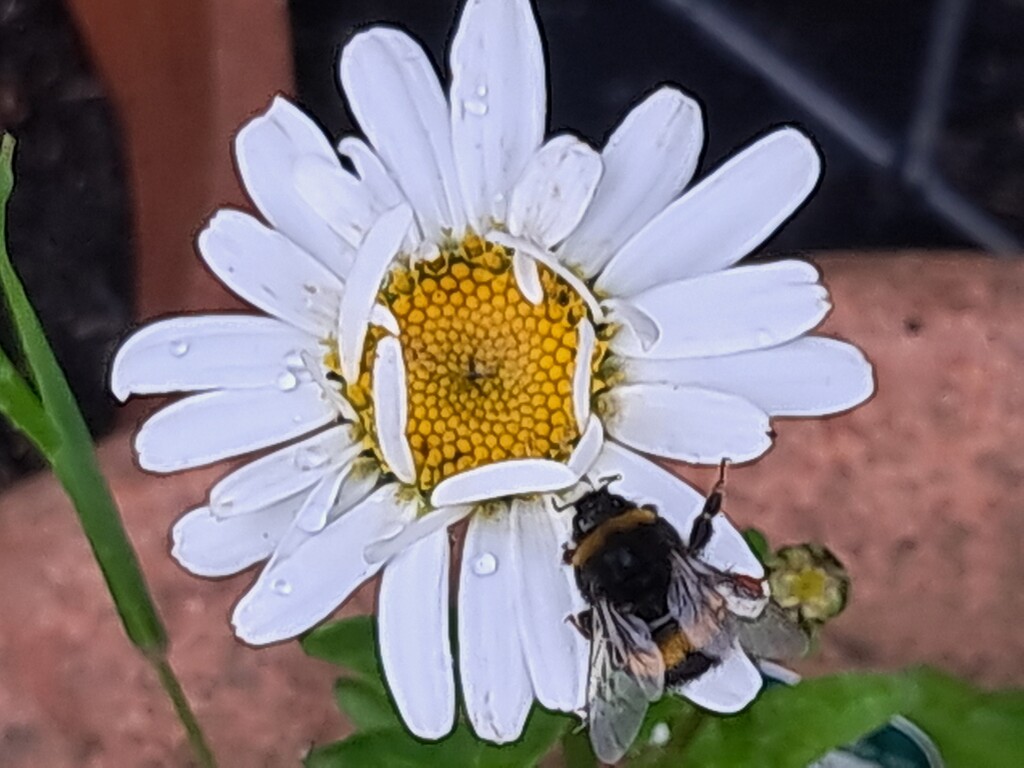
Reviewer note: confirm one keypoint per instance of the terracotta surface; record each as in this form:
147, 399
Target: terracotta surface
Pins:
919, 491
183, 75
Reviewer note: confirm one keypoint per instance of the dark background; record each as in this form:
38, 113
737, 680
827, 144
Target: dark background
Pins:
918, 106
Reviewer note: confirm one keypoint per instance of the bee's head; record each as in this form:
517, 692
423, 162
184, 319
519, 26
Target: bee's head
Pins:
594, 508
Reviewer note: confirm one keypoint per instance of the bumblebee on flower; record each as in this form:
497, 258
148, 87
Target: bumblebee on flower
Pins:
473, 319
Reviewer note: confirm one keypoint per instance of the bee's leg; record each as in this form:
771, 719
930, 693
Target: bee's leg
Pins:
567, 554
583, 621
700, 533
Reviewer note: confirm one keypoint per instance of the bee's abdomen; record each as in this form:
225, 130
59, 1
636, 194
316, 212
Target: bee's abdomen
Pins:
682, 661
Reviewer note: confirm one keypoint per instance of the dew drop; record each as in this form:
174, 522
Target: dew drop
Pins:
293, 361
281, 587
481, 91
287, 381
764, 339
222, 506
474, 107
179, 348
310, 458
391, 531
660, 735
485, 565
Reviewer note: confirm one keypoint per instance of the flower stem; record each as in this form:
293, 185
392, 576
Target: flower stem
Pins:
188, 719
41, 405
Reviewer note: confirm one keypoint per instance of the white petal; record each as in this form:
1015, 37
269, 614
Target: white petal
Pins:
587, 448
295, 592
499, 101
731, 311
527, 277
313, 515
394, 94
268, 149
391, 409
283, 473
550, 260
206, 428
581, 377
338, 199
643, 481
686, 423
722, 219
375, 256
553, 193
502, 478
556, 654
271, 272
648, 161
208, 545
421, 527
415, 649
379, 186
809, 376
189, 354
727, 687
495, 681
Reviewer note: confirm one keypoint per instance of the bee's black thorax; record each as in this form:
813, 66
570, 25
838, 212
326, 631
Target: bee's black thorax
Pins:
626, 560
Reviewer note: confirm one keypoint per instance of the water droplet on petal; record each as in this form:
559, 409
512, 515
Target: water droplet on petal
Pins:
293, 361
287, 381
310, 458
474, 107
179, 348
391, 531
281, 587
481, 91
222, 506
764, 339
485, 565
499, 198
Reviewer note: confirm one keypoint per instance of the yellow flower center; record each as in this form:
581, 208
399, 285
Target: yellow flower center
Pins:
489, 375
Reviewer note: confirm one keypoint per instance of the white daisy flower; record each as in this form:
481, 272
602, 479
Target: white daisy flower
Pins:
474, 318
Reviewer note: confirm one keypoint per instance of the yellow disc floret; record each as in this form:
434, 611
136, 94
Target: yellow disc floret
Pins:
489, 375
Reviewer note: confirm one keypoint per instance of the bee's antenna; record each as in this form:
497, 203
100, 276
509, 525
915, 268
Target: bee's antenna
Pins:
561, 507
608, 480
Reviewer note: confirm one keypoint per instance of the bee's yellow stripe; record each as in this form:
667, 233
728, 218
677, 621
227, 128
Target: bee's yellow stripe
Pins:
674, 647
595, 540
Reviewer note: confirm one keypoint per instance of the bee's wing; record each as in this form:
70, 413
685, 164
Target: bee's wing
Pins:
697, 606
626, 672
772, 635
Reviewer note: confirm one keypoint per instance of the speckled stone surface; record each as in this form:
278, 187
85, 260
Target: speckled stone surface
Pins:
919, 492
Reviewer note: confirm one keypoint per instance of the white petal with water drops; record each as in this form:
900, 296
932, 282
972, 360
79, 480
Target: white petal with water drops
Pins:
189, 354
556, 654
270, 272
213, 426
722, 219
495, 681
423, 526
378, 185
284, 472
412, 625
296, 591
732, 311
312, 517
375, 256
338, 198
499, 102
648, 161
394, 94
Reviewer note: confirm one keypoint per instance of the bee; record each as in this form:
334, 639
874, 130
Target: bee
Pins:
658, 615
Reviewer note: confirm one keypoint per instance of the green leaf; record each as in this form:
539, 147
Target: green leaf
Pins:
972, 728
758, 542
349, 643
789, 727
576, 751
365, 703
542, 730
